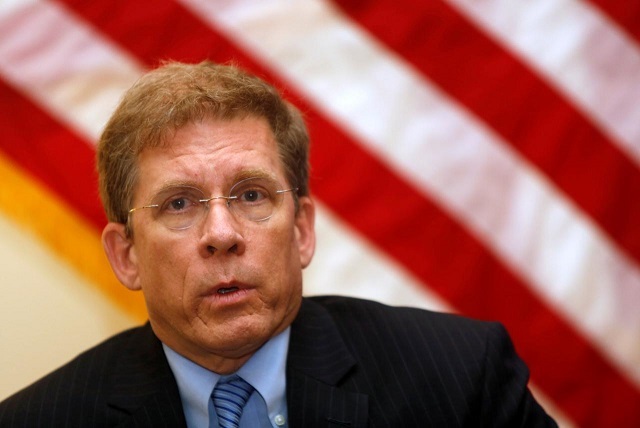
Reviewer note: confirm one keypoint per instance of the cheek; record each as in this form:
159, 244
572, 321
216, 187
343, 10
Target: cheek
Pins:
286, 268
271, 256
162, 273
283, 251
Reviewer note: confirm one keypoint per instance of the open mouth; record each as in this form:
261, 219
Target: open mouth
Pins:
227, 290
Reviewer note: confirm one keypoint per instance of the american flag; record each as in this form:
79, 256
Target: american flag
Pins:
475, 156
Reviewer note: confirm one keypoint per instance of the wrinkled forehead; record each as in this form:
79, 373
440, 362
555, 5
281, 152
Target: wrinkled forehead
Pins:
209, 153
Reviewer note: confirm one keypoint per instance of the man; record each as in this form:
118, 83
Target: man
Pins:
204, 177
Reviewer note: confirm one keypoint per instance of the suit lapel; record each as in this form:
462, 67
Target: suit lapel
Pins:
317, 363
143, 389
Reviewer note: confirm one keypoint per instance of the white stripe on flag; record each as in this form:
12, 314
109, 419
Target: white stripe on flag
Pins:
65, 66
491, 189
579, 51
344, 264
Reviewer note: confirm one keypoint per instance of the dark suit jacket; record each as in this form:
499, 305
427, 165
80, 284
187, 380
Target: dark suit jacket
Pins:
351, 363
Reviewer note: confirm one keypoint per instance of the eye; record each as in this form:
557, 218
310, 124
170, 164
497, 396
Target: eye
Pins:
178, 204
179, 201
253, 195
253, 191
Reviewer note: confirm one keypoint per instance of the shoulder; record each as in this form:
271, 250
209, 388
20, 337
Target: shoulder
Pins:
349, 313
442, 344
467, 369
78, 386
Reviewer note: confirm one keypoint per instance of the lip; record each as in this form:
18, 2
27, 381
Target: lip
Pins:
228, 292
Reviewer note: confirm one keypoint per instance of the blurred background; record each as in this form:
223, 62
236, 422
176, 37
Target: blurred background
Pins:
479, 157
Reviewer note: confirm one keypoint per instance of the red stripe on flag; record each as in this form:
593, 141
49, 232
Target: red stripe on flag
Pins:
52, 153
154, 31
626, 14
404, 224
516, 103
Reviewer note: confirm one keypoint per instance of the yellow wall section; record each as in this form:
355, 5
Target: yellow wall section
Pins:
37, 210
58, 295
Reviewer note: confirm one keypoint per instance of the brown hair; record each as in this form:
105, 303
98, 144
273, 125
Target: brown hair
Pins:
176, 94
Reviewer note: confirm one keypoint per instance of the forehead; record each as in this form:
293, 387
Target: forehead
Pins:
210, 153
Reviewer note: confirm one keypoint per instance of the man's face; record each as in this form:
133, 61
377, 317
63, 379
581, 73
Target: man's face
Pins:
181, 271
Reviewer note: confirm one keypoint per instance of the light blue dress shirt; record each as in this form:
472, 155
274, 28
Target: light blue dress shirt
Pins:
265, 371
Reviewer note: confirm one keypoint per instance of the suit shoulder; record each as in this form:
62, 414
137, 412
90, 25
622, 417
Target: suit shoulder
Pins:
462, 369
370, 313
415, 336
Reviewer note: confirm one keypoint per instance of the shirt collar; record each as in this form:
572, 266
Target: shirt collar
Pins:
265, 371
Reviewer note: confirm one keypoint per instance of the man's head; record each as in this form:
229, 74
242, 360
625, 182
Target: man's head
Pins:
175, 94
220, 268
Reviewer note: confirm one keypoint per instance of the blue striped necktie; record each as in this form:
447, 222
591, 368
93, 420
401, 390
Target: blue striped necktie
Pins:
229, 397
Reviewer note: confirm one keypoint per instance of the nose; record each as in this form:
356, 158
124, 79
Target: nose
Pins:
221, 233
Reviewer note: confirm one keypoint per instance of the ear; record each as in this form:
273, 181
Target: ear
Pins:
121, 254
305, 230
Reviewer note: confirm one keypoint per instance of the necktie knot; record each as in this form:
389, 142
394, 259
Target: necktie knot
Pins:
229, 397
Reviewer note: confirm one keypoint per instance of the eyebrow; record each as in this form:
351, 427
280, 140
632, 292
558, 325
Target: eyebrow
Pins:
241, 175
251, 173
